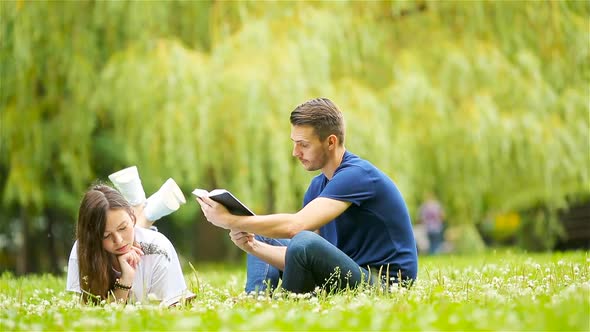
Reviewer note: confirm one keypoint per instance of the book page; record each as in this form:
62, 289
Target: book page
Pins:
200, 192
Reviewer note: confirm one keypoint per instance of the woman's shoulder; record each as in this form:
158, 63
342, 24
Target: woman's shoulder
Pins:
148, 235
152, 242
146, 232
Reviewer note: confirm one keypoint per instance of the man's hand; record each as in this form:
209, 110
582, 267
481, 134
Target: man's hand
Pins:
274, 255
214, 212
243, 240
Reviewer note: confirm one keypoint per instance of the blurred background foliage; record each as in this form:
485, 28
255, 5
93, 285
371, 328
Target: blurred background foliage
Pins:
485, 103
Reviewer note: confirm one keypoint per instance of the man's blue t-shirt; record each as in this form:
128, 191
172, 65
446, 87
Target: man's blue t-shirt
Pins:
375, 230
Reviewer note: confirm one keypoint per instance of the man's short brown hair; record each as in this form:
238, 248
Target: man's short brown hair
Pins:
322, 115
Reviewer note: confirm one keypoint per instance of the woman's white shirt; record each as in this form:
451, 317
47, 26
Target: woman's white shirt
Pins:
158, 275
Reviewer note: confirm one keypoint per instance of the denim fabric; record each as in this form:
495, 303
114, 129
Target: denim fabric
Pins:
312, 262
259, 274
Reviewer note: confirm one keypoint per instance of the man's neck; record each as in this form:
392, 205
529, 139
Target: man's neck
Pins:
334, 162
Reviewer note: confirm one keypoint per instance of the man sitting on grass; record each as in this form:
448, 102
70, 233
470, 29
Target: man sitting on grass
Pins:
354, 218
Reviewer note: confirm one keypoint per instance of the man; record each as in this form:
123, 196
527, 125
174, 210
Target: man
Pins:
354, 225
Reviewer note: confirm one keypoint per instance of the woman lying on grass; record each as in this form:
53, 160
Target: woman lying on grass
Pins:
115, 260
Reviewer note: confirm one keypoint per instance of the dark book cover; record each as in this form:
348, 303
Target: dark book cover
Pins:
232, 204
227, 199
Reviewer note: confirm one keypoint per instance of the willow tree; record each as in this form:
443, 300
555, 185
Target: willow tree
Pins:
501, 129
484, 102
477, 126
51, 54
45, 138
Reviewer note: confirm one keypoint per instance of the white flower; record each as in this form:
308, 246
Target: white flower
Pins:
153, 297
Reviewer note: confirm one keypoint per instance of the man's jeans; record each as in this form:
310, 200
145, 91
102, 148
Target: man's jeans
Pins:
310, 262
260, 274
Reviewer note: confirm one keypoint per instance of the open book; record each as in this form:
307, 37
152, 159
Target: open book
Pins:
224, 197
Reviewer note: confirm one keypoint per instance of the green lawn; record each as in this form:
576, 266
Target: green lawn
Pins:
496, 291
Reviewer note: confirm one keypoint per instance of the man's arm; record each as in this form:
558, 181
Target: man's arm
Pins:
314, 215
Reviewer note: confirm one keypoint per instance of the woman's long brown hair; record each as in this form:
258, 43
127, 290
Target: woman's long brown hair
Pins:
96, 264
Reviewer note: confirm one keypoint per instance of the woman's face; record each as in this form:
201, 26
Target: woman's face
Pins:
118, 232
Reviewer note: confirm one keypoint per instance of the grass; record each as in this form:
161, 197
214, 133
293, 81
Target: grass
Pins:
495, 291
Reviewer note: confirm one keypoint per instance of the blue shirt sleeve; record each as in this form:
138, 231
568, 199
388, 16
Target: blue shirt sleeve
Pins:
350, 184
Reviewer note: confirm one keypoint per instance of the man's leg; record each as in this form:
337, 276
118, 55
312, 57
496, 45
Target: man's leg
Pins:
260, 274
312, 262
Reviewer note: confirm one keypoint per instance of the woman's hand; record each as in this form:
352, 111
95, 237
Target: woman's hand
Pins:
243, 240
129, 262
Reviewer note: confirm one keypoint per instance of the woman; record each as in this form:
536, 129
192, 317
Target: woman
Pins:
112, 259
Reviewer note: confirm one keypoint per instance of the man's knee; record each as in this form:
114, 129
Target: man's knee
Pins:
305, 238
302, 243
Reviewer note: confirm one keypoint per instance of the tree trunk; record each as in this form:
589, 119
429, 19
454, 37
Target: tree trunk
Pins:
210, 242
22, 262
53, 264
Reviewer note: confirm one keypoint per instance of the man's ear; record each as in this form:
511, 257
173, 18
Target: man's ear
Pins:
332, 141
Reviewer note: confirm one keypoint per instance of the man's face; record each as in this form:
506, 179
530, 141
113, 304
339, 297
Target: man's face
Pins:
118, 233
307, 147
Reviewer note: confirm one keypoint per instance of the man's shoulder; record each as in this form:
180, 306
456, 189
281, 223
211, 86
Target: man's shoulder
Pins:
351, 159
352, 163
318, 178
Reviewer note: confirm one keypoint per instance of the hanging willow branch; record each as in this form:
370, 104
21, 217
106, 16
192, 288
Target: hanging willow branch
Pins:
485, 102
